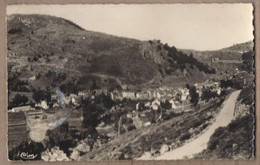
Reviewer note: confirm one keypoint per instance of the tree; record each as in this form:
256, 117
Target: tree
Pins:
105, 100
208, 94
226, 84
19, 99
166, 105
69, 88
248, 60
91, 114
194, 95
40, 95
62, 137
187, 86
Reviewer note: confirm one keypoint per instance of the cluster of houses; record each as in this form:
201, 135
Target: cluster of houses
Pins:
214, 86
178, 98
162, 94
174, 96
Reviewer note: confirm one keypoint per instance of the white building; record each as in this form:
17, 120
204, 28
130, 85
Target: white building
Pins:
155, 104
22, 108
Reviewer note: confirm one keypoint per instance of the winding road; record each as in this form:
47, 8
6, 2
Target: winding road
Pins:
197, 145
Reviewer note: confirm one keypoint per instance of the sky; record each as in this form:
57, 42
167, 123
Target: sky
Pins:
186, 26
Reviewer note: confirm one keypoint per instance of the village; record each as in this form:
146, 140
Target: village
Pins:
148, 107
114, 113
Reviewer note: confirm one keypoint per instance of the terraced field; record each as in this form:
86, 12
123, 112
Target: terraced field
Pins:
17, 132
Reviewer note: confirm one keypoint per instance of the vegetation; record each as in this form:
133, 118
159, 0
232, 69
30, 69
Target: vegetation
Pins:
248, 60
154, 136
15, 84
166, 105
19, 100
182, 59
61, 137
121, 59
208, 94
226, 83
14, 30
247, 96
40, 95
194, 95
69, 87
231, 142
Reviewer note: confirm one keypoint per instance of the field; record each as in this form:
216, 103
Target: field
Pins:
17, 132
39, 124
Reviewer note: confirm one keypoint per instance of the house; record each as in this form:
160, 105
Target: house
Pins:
178, 104
42, 105
143, 95
53, 97
73, 95
137, 106
75, 120
151, 94
97, 92
128, 94
155, 104
184, 94
84, 94
147, 105
55, 105
67, 100
129, 115
173, 104
116, 95
22, 108
33, 113
161, 93
73, 98
158, 95
32, 78
147, 123
81, 94
137, 121
215, 59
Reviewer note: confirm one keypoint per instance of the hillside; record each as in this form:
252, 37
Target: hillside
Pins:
57, 51
233, 52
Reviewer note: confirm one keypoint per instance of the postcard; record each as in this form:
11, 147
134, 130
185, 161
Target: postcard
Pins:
130, 82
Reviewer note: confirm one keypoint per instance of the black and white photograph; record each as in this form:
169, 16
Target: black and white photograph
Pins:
98, 82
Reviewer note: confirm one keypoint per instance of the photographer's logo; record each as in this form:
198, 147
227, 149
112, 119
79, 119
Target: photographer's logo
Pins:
26, 155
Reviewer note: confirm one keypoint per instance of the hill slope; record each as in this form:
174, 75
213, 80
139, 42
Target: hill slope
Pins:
230, 53
57, 50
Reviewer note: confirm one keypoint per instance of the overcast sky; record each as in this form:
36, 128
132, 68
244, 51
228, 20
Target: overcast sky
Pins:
193, 26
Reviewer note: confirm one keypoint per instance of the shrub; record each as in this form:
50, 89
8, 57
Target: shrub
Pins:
185, 136
213, 144
14, 30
